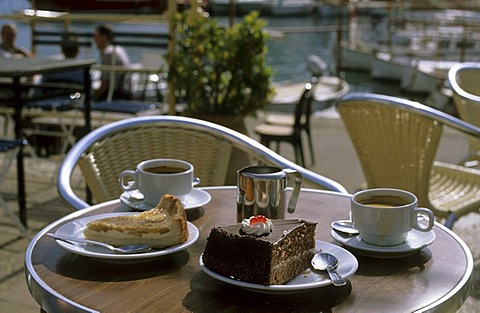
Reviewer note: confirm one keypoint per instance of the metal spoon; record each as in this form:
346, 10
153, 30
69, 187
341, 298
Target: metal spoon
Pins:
327, 261
128, 249
345, 226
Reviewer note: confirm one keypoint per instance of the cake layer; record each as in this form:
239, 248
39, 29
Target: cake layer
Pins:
269, 259
161, 227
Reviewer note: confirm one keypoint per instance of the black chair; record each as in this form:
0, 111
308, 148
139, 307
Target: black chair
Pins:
317, 67
10, 147
292, 133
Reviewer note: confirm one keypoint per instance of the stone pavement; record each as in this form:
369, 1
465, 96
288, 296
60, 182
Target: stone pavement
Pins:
335, 158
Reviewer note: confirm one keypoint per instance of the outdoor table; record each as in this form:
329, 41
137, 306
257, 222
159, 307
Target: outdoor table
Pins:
17, 73
437, 278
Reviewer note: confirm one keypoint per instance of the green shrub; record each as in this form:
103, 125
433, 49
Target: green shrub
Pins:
220, 70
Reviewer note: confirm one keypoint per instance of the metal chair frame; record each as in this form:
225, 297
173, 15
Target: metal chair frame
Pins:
170, 131
464, 79
396, 141
10, 148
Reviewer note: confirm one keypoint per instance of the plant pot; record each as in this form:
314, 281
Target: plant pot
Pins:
238, 158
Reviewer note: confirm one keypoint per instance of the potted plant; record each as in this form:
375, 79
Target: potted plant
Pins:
220, 71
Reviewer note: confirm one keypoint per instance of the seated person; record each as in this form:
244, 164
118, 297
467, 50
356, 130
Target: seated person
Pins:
115, 55
8, 49
70, 49
60, 100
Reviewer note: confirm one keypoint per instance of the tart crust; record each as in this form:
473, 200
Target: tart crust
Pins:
161, 227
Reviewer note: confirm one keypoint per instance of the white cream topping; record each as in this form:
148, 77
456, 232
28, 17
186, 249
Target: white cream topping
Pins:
258, 228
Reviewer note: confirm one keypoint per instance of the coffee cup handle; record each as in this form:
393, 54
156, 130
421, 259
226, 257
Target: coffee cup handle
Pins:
416, 221
296, 189
131, 185
196, 181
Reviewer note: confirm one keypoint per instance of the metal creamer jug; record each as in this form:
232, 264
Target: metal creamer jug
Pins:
262, 190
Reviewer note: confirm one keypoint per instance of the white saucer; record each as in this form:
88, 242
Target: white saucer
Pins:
75, 228
196, 198
416, 240
307, 280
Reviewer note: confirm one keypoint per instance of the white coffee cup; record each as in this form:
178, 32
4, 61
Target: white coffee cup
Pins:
385, 216
156, 177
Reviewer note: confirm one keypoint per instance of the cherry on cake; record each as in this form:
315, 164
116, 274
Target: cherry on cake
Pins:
161, 227
261, 250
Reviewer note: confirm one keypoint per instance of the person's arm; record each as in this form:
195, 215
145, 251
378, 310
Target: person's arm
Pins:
102, 92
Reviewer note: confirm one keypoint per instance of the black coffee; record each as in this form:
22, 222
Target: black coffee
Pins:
384, 201
165, 169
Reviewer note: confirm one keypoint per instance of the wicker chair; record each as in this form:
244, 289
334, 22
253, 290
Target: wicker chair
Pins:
106, 151
464, 78
396, 141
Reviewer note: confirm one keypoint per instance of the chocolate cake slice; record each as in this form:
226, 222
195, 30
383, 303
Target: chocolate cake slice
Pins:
273, 258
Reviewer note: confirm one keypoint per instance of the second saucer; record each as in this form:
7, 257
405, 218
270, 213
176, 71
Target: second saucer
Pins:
194, 199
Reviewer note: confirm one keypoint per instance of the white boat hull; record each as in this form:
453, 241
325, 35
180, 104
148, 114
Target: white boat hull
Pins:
425, 76
354, 58
384, 66
327, 89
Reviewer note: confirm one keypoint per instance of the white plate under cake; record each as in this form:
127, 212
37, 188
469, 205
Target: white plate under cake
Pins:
307, 280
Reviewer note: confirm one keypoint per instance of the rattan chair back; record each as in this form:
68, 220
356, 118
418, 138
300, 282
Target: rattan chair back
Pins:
110, 149
396, 141
384, 137
105, 160
464, 78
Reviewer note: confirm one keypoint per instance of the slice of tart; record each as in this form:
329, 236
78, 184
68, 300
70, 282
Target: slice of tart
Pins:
161, 227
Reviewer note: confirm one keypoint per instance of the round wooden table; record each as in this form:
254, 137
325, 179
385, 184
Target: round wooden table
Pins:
437, 278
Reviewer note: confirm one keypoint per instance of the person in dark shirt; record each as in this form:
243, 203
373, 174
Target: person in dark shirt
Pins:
70, 50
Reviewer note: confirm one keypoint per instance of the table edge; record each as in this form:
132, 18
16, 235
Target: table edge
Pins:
451, 299
70, 64
45, 296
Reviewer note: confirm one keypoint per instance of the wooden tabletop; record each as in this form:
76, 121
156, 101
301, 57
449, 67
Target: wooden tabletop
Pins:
437, 278
13, 70
12, 67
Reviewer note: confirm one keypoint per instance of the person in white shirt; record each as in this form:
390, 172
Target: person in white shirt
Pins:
8, 49
115, 55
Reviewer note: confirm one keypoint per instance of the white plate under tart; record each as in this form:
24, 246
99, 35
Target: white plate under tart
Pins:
76, 227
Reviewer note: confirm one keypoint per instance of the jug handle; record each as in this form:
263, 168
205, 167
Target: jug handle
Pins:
296, 189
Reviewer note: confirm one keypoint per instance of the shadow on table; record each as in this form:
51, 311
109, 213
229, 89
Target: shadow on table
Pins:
369, 266
88, 269
210, 295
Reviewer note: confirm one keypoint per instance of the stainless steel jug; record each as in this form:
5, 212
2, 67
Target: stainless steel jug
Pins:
262, 190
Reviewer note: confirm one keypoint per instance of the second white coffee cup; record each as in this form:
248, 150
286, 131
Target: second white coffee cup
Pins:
156, 177
385, 216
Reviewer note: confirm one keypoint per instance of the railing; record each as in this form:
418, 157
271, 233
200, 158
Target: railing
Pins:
126, 39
